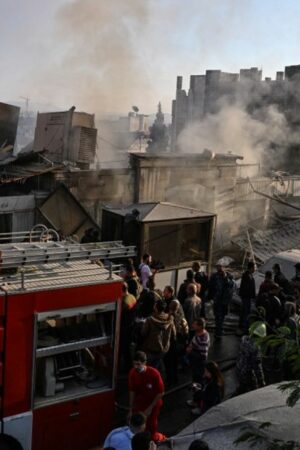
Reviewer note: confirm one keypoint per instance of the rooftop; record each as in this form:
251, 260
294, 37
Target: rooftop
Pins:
206, 155
269, 242
160, 211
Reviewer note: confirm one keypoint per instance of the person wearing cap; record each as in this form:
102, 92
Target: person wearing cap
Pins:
249, 362
220, 290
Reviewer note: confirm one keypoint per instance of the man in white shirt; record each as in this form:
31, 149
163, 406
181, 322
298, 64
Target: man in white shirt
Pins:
145, 270
120, 438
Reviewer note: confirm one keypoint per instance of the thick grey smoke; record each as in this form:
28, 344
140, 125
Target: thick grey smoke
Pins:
253, 122
99, 62
234, 130
103, 56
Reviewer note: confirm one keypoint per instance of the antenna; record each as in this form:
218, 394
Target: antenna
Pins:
26, 103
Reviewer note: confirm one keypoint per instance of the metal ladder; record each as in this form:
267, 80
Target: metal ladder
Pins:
29, 253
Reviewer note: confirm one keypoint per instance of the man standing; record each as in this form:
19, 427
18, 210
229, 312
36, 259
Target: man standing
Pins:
221, 287
247, 293
145, 270
280, 279
120, 438
127, 325
158, 332
146, 389
182, 292
202, 279
168, 295
192, 306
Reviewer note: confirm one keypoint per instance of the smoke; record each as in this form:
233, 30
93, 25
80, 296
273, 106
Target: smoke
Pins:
99, 61
103, 56
250, 122
234, 130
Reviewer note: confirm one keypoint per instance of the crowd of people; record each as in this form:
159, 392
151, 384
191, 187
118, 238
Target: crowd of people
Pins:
161, 331
265, 308
278, 297
171, 329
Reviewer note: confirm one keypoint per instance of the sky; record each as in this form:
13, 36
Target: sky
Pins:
103, 56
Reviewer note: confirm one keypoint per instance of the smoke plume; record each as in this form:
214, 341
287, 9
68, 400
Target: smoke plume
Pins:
251, 123
99, 63
234, 130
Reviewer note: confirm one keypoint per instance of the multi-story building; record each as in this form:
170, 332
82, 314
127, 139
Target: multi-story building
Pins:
248, 91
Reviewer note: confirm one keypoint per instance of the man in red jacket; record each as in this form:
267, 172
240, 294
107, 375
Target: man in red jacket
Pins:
146, 389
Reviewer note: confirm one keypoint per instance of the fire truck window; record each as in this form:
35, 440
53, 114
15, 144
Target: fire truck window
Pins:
74, 355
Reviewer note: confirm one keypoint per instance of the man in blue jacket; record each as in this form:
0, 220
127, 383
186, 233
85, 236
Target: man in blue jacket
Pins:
120, 438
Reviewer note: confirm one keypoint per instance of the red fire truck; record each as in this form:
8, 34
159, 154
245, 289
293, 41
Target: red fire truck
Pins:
60, 316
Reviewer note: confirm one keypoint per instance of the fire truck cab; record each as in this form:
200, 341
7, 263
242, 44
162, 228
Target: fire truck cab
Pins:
59, 332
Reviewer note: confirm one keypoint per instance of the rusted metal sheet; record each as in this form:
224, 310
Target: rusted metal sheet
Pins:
269, 242
63, 211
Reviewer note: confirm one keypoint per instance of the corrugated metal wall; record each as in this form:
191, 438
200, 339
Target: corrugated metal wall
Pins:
23, 221
22, 209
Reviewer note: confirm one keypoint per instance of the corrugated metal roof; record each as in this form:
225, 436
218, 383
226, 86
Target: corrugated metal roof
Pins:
205, 156
269, 242
155, 212
12, 173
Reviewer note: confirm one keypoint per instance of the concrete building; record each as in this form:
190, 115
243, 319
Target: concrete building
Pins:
246, 90
9, 116
66, 136
117, 138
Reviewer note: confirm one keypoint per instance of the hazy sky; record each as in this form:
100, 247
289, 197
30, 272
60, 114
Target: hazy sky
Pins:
107, 55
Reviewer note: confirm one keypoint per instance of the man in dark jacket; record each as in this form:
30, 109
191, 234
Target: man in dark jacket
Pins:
280, 279
220, 290
274, 310
190, 279
247, 293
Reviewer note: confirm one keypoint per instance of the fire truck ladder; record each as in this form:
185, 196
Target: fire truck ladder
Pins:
29, 253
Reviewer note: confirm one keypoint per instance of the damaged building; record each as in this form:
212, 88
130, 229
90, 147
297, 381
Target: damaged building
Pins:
68, 136
119, 137
54, 180
265, 106
63, 141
